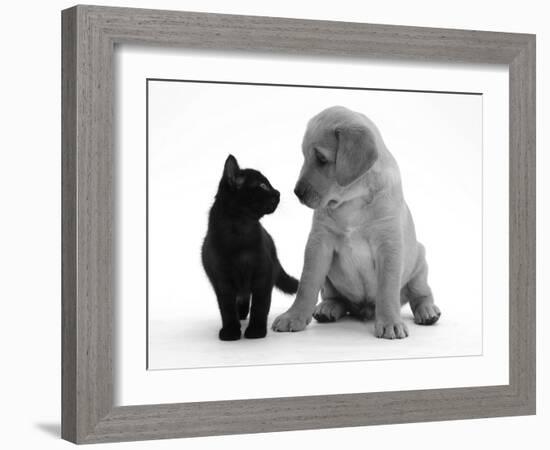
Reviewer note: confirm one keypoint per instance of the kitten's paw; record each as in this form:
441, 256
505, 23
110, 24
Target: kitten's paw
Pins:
291, 321
255, 332
230, 334
426, 314
391, 329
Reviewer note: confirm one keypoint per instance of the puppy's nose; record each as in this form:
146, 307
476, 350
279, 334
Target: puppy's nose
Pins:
299, 190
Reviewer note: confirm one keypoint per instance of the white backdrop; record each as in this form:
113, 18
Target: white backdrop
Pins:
30, 236
437, 141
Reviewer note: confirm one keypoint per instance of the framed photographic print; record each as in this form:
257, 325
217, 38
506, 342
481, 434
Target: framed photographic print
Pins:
278, 224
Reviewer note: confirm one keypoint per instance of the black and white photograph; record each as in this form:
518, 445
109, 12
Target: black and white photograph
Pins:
311, 223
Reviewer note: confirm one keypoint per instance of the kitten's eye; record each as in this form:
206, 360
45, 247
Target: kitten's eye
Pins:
321, 159
263, 186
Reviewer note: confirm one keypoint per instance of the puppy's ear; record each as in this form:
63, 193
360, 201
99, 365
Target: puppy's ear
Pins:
231, 170
356, 153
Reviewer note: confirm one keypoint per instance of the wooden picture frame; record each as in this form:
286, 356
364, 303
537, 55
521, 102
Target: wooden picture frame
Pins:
89, 35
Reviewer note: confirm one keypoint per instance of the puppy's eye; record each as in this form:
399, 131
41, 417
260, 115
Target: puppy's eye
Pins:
321, 159
263, 186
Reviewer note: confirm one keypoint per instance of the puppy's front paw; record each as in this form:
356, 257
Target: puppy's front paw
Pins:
390, 330
291, 321
230, 333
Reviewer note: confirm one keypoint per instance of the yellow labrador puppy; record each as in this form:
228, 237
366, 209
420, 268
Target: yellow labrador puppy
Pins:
362, 252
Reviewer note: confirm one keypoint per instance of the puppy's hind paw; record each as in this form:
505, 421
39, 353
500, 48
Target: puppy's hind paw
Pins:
426, 314
329, 311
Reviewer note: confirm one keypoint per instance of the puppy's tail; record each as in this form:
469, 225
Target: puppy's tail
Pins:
286, 283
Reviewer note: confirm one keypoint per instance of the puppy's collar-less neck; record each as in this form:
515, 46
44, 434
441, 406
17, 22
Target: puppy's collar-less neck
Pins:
367, 196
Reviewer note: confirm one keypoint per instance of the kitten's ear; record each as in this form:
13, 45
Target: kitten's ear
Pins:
230, 170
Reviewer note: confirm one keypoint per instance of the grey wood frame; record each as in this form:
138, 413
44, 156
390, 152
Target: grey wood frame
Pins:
89, 34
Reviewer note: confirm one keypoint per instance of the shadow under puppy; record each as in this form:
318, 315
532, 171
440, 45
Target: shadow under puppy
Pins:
238, 254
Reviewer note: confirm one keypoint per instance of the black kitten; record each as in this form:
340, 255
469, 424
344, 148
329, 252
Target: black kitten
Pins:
239, 255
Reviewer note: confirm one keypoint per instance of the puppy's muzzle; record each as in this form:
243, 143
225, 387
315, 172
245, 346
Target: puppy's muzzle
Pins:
300, 190
306, 194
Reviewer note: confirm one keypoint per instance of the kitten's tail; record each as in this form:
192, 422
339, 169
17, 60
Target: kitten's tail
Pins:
286, 283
